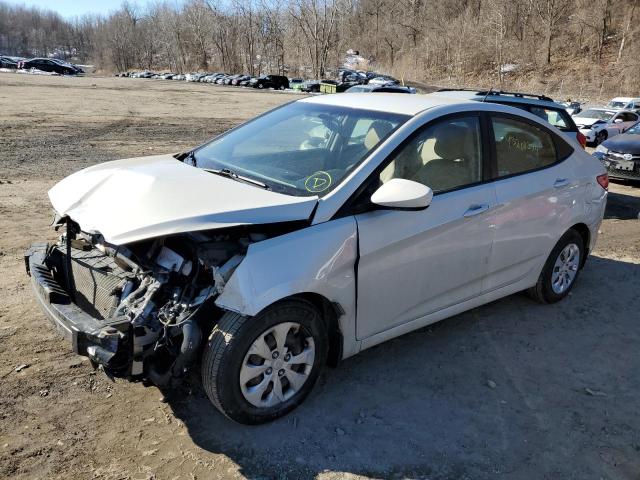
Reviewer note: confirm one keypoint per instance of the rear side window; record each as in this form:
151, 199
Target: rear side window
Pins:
628, 117
559, 118
554, 117
521, 146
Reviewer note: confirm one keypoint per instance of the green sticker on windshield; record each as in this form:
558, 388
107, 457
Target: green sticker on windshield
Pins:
318, 182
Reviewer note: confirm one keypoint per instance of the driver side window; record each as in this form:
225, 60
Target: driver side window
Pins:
442, 156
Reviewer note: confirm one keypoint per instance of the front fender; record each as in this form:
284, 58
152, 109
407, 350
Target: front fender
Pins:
318, 259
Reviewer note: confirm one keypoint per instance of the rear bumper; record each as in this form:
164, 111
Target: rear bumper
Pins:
104, 341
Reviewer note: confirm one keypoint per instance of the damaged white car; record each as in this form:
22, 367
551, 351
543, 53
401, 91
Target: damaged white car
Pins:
308, 234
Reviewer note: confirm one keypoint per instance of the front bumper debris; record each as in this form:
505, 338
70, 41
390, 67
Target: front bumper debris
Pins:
105, 342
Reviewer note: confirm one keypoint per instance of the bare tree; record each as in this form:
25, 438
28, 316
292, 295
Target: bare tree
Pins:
551, 13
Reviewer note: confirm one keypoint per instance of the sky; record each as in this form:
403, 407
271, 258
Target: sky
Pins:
72, 8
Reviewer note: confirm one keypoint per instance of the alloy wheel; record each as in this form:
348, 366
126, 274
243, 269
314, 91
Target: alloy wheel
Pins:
565, 269
277, 365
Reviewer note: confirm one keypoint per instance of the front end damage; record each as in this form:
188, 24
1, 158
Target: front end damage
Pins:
138, 311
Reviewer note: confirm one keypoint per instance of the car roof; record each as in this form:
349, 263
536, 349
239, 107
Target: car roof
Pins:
508, 97
384, 102
623, 99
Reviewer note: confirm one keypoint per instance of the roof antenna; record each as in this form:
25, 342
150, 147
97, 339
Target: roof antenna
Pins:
489, 92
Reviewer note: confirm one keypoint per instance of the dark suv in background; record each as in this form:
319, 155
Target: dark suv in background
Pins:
277, 82
539, 105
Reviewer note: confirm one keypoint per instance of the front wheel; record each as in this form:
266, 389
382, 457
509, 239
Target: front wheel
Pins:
560, 270
601, 136
256, 369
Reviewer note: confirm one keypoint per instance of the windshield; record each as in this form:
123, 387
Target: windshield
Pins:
599, 114
614, 104
300, 149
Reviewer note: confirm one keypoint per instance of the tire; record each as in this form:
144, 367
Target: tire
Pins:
227, 354
601, 136
544, 291
260, 86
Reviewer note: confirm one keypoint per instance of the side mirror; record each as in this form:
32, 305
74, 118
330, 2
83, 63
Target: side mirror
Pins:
401, 194
617, 120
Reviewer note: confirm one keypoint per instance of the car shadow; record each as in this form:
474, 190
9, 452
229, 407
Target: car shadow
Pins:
622, 207
512, 387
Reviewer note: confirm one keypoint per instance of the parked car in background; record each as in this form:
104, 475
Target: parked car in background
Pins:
310, 86
540, 105
277, 82
372, 88
194, 76
383, 80
229, 80
246, 82
143, 74
214, 77
9, 62
240, 78
624, 103
572, 107
599, 124
50, 65
296, 84
308, 234
167, 76
621, 154
180, 76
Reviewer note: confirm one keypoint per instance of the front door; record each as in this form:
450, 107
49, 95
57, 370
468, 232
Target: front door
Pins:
414, 263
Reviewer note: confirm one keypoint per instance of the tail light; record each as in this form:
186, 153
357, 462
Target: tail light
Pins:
582, 139
603, 181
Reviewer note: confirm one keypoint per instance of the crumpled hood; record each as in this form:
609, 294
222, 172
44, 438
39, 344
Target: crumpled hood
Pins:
583, 121
147, 197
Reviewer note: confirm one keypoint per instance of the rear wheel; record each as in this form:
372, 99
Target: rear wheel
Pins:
256, 369
561, 269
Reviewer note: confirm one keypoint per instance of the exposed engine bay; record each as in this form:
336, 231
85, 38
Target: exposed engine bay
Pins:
153, 300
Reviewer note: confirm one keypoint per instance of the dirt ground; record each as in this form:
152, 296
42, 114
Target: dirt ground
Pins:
509, 390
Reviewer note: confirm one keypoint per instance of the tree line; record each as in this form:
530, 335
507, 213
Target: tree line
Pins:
543, 44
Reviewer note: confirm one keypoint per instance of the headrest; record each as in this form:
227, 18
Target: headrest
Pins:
377, 131
451, 142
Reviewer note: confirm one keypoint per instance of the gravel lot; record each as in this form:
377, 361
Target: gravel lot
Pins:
509, 390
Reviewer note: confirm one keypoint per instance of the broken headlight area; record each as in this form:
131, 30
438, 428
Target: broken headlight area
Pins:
143, 308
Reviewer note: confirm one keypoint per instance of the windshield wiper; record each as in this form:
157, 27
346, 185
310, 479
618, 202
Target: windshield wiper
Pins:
225, 172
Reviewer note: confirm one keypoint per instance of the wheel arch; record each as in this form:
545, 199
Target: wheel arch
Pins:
330, 312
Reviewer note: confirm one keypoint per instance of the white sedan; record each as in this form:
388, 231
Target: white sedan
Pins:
598, 124
309, 234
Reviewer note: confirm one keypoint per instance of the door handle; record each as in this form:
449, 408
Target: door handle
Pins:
476, 209
561, 182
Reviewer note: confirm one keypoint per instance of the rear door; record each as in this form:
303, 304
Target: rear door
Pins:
535, 189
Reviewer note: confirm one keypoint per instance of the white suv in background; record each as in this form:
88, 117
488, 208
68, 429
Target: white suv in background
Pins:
315, 231
624, 103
